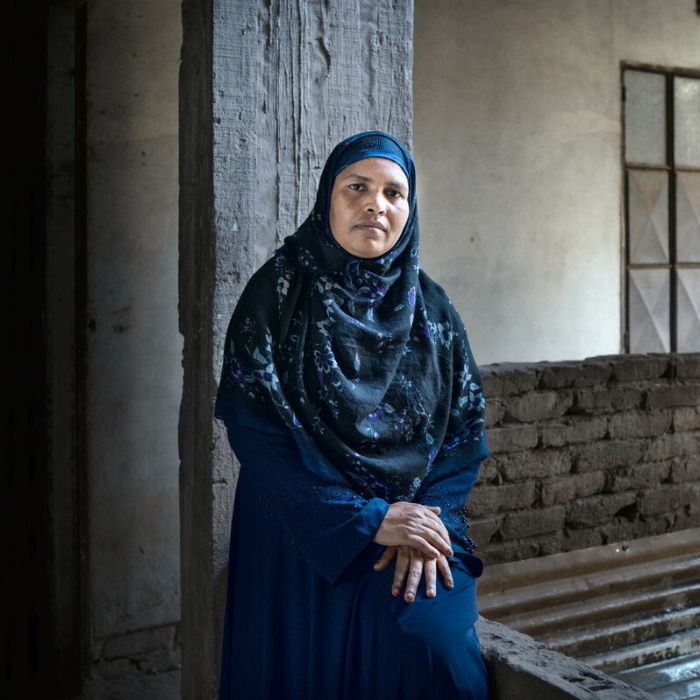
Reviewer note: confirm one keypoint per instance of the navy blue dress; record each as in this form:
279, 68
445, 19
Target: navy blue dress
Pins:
307, 616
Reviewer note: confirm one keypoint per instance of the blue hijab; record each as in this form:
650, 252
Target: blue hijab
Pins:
365, 360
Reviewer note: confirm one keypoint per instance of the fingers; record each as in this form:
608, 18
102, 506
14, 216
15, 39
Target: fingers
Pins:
439, 528
429, 567
445, 572
419, 543
387, 555
402, 563
405, 522
414, 574
411, 565
438, 540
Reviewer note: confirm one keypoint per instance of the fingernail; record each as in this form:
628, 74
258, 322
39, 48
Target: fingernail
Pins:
395, 591
431, 591
409, 597
376, 565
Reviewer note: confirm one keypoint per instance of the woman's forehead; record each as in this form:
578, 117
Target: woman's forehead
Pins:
376, 168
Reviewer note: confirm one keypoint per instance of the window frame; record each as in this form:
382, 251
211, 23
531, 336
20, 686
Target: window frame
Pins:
669, 73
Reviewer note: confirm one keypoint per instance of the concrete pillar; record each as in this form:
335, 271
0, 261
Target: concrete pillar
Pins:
266, 90
134, 350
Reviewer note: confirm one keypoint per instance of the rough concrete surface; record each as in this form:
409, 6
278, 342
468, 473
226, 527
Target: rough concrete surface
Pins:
266, 90
522, 669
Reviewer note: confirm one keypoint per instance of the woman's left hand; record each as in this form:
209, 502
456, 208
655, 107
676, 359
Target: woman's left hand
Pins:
414, 562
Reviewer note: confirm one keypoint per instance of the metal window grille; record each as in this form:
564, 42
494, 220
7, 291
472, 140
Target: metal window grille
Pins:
661, 114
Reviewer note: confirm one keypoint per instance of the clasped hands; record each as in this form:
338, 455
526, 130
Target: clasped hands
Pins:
418, 539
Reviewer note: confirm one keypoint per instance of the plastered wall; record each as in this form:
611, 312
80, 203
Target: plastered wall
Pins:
134, 353
517, 141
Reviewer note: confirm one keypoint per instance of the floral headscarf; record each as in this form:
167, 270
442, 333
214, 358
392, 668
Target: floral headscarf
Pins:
364, 359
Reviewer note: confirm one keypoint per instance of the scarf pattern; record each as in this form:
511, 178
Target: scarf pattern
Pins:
366, 360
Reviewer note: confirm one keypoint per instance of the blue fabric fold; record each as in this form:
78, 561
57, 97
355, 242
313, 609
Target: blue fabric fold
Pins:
307, 616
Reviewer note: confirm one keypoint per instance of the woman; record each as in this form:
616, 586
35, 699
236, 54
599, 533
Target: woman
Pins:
355, 407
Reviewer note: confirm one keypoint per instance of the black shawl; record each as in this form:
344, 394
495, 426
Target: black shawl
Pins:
364, 359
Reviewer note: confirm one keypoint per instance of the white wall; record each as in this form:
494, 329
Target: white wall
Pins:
517, 141
134, 347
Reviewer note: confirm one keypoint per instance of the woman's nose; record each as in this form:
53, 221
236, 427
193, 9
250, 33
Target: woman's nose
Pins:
376, 203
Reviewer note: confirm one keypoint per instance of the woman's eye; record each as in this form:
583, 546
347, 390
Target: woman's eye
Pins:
394, 193
356, 186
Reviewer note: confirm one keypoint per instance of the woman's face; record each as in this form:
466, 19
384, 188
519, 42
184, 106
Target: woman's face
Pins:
369, 206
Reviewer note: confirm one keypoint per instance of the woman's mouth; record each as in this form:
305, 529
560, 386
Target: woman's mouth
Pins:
373, 226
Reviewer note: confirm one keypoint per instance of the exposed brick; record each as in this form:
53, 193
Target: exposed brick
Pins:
620, 529
160, 662
607, 455
577, 486
581, 539
494, 412
684, 521
596, 510
533, 522
491, 381
586, 453
500, 552
551, 543
693, 498
574, 374
639, 476
669, 446
573, 431
509, 378
488, 471
485, 500
605, 400
687, 470
634, 424
673, 395
688, 366
637, 368
538, 406
132, 644
483, 529
512, 438
686, 419
523, 466
663, 500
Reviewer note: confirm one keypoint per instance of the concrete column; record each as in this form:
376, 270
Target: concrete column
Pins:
134, 373
266, 90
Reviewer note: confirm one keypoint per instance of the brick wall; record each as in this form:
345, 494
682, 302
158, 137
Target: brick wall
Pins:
587, 453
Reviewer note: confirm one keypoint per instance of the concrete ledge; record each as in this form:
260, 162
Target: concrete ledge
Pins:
522, 669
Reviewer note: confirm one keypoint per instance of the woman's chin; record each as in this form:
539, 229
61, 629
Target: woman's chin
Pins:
369, 251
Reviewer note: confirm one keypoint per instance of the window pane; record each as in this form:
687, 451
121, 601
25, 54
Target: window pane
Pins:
688, 311
688, 217
649, 310
648, 216
645, 118
687, 121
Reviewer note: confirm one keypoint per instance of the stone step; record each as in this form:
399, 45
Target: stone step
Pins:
648, 652
673, 679
501, 578
585, 586
620, 632
664, 596
663, 673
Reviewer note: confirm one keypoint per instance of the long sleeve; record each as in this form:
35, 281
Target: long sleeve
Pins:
450, 489
328, 521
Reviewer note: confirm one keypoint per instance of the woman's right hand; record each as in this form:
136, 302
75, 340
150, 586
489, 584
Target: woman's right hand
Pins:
415, 525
